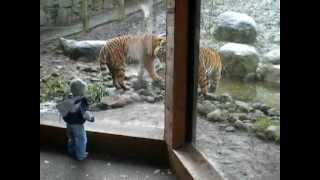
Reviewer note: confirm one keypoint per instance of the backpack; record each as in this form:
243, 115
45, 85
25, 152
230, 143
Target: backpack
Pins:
72, 110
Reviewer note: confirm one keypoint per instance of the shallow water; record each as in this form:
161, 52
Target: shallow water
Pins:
251, 92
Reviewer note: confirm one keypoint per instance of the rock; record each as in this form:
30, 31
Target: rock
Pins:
88, 69
260, 106
251, 77
235, 27
150, 99
136, 84
232, 119
145, 92
135, 97
115, 101
273, 112
240, 125
205, 107
269, 73
273, 132
55, 74
239, 59
243, 106
225, 97
99, 107
256, 115
211, 97
93, 79
230, 129
88, 50
216, 116
272, 57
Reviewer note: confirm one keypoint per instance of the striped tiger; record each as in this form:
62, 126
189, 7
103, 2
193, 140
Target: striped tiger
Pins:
116, 50
210, 67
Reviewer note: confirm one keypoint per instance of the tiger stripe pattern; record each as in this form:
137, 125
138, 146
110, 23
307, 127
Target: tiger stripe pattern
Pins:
116, 51
209, 67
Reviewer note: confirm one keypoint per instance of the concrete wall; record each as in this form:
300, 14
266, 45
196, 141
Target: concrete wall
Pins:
65, 12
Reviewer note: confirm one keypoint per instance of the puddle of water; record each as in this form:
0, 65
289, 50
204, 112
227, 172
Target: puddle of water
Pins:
251, 92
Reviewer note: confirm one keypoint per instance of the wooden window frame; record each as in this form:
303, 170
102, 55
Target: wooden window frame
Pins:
183, 31
177, 150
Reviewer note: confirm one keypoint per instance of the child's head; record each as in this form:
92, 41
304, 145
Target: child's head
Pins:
78, 87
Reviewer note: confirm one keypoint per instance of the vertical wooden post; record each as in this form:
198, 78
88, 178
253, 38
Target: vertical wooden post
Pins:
181, 82
84, 15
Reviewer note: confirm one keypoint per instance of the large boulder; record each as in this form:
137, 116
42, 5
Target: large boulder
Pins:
236, 27
269, 73
239, 60
87, 50
272, 56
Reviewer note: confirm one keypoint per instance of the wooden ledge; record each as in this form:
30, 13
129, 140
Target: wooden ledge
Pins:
189, 163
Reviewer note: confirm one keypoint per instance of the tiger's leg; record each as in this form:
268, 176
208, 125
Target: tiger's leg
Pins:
120, 73
214, 82
120, 79
149, 65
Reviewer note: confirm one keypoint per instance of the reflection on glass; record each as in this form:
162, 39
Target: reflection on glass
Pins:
238, 125
114, 57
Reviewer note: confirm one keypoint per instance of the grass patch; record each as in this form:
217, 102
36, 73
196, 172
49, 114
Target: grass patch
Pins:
54, 88
95, 93
263, 123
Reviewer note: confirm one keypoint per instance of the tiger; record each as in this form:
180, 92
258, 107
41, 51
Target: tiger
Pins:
116, 50
209, 68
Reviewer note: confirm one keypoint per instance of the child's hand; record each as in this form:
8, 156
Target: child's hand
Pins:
92, 119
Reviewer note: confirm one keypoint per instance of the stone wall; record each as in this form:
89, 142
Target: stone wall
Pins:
65, 12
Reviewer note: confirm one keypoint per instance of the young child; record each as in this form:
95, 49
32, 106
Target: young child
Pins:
75, 113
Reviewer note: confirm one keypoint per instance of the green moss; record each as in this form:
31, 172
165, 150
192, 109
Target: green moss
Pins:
263, 123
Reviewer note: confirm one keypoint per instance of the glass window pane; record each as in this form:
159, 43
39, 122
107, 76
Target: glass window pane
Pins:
109, 44
238, 107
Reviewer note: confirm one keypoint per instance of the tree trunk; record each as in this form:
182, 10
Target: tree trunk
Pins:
84, 15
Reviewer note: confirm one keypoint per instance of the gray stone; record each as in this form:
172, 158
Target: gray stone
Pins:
243, 106
260, 106
115, 101
150, 99
145, 92
90, 69
216, 116
239, 60
88, 50
211, 97
205, 107
273, 112
256, 115
235, 27
225, 97
272, 132
269, 73
250, 77
230, 129
272, 56
55, 74
240, 125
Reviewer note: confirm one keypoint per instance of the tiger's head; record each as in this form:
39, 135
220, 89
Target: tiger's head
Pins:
160, 51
